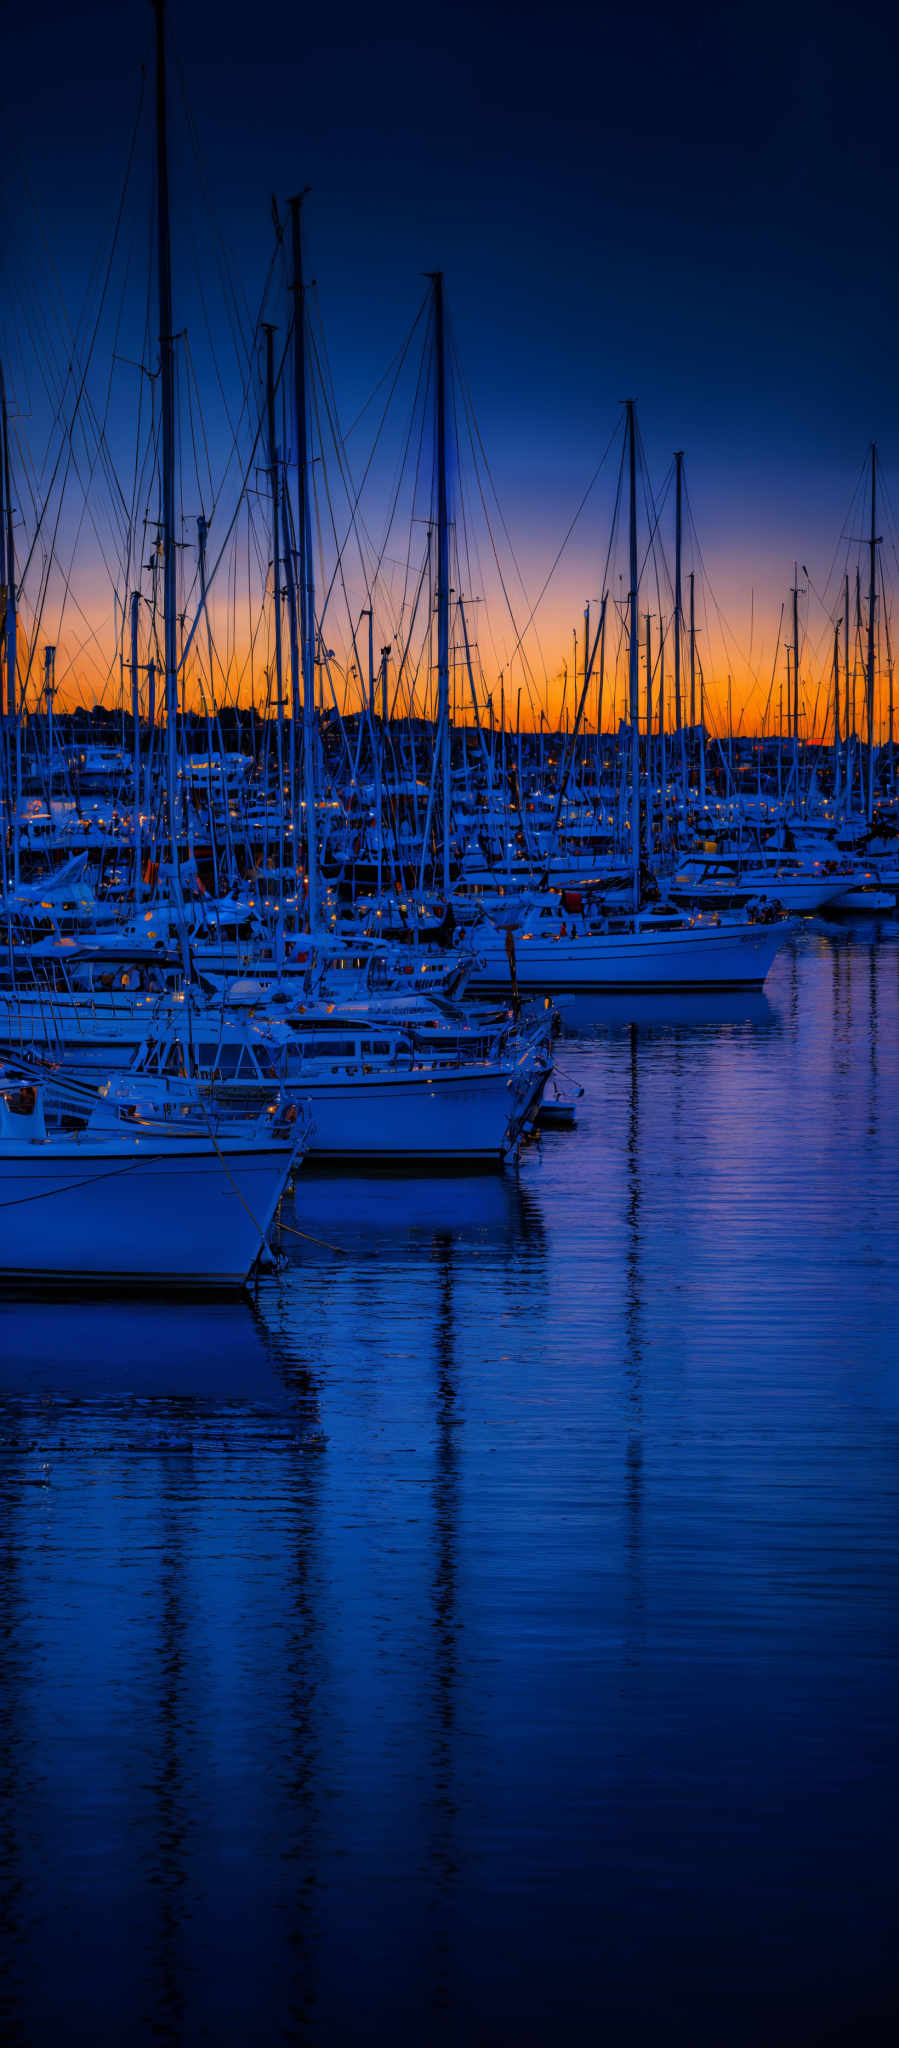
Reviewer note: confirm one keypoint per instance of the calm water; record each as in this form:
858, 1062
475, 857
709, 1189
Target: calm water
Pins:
555, 1697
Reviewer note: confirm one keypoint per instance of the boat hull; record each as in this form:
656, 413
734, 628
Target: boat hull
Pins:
700, 956
469, 1117
179, 1215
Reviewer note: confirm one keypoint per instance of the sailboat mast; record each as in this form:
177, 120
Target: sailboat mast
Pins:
648, 821
678, 620
167, 399
796, 664
693, 683
275, 481
847, 721
135, 741
634, 652
305, 564
8, 560
443, 709
872, 598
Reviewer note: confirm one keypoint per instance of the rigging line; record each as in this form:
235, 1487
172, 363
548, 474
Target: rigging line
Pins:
247, 388
55, 376
421, 410
380, 556
43, 586
653, 516
851, 521
499, 568
319, 395
198, 281
396, 360
402, 663
724, 624
93, 339
86, 506
192, 392
138, 470
74, 1187
23, 468
63, 379
618, 429
232, 522
357, 521
477, 444
339, 571
357, 494
245, 332
773, 669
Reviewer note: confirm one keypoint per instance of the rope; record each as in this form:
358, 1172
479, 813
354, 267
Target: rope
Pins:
323, 1242
254, 1219
46, 1194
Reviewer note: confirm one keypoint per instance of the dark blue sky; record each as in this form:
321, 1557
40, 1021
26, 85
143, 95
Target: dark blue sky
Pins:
697, 209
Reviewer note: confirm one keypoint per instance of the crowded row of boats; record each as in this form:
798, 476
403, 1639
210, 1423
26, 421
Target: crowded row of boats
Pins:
170, 1057
340, 938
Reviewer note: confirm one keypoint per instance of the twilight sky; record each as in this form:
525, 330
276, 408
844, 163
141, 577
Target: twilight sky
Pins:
697, 207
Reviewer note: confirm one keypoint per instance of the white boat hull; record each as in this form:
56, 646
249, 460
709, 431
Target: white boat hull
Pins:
466, 1118
699, 956
142, 1212
865, 902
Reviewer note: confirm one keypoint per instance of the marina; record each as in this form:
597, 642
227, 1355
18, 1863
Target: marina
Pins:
449, 1084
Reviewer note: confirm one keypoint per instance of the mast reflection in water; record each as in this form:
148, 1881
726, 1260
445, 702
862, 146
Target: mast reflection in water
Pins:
490, 1631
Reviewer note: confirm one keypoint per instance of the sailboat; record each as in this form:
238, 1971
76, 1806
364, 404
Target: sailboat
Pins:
137, 1201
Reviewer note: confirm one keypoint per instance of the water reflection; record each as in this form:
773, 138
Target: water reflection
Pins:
446, 1621
305, 1767
687, 1008
93, 1348
361, 1213
13, 1715
634, 1330
575, 1618
168, 1787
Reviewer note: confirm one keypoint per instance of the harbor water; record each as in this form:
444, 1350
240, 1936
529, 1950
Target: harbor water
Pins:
489, 1632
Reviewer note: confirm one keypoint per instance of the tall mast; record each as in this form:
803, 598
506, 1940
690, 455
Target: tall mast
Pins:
648, 811
7, 557
275, 480
634, 652
305, 563
693, 680
889, 655
872, 597
836, 711
167, 394
701, 721
848, 714
796, 667
678, 620
443, 707
385, 657
8, 579
135, 742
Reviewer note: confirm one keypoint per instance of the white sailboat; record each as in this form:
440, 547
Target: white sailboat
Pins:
137, 1203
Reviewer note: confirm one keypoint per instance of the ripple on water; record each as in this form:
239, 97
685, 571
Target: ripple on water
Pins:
490, 1631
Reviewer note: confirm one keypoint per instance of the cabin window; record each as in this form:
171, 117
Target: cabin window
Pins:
228, 1059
